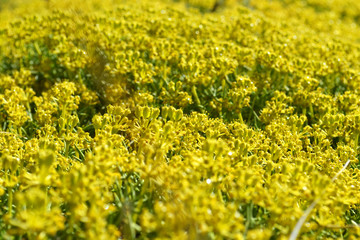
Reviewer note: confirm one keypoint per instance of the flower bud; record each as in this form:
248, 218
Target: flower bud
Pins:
146, 112
168, 127
155, 113
178, 115
164, 112
171, 113
139, 111
209, 133
97, 121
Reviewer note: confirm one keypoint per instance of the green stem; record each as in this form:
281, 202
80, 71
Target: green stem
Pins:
241, 118
223, 85
67, 146
311, 111
196, 98
304, 111
249, 218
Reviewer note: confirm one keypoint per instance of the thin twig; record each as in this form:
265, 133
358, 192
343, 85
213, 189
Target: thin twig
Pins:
300, 223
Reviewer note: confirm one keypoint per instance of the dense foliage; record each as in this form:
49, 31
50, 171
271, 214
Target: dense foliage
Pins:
179, 119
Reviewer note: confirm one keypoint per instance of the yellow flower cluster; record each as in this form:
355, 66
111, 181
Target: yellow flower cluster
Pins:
187, 119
